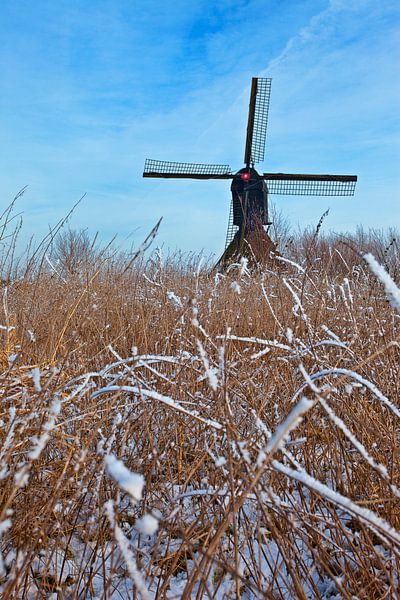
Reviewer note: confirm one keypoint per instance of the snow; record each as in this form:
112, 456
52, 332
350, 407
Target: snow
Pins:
156, 396
391, 289
21, 477
35, 374
290, 262
381, 526
147, 525
256, 340
330, 332
282, 491
132, 483
357, 377
235, 286
282, 431
40, 442
5, 525
7, 442
298, 305
243, 269
31, 335
123, 544
381, 469
11, 359
210, 372
176, 301
53, 268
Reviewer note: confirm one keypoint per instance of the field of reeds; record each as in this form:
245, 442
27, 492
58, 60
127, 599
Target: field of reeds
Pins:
168, 431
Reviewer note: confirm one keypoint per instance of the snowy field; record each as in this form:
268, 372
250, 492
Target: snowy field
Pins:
171, 433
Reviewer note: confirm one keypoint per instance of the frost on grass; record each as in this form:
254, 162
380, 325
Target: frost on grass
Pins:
176, 301
235, 286
357, 377
283, 430
39, 442
147, 525
127, 553
36, 379
391, 289
262, 491
132, 483
366, 515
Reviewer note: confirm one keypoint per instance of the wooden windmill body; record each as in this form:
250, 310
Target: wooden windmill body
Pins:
249, 220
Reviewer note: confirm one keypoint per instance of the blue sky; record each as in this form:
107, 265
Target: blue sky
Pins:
89, 89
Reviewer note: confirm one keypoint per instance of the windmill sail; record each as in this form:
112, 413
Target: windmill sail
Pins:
310, 185
258, 120
181, 170
232, 229
248, 217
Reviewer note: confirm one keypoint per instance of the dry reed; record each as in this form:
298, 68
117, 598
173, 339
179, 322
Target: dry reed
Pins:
260, 409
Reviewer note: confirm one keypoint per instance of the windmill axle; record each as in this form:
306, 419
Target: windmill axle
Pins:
250, 190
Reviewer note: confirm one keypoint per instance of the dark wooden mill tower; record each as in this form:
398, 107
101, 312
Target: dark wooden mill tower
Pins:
248, 217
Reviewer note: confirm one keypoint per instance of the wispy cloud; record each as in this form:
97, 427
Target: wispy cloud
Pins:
91, 89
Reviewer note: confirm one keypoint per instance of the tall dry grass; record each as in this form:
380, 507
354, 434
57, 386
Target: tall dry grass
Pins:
261, 410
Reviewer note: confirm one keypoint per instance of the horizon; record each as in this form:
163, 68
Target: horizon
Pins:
91, 91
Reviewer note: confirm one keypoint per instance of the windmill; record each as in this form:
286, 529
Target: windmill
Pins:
248, 217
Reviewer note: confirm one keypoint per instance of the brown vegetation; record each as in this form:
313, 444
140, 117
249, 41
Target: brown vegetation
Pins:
184, 376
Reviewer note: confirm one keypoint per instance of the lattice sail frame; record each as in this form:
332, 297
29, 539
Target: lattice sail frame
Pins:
277, 183
302, 185
232, 229
260, 119
310, 185
257, 120
164, 168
